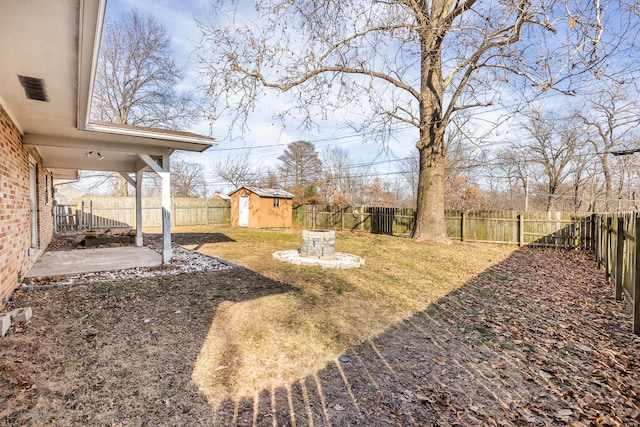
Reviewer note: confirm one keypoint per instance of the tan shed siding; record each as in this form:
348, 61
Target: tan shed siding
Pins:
15, 225
271, 217
254, 211
262, 214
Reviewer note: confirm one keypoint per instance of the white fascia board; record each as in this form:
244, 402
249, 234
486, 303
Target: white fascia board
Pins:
92, 16
94, 144
202, 142
91, 22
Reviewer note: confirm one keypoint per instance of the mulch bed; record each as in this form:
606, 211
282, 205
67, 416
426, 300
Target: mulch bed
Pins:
536, 340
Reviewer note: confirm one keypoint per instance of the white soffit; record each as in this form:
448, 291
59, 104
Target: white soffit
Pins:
56, 41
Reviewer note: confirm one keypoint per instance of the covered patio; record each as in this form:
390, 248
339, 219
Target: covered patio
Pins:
82, 261
50, 51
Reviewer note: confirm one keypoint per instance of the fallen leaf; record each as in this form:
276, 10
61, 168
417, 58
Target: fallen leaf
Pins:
440, 360
422, 398
544, 374
564, 413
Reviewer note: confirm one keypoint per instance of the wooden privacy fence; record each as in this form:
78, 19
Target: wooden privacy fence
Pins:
615, 238
617, 251
114, 212
548, 229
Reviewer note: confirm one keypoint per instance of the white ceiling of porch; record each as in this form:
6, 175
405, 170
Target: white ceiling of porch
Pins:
55, 40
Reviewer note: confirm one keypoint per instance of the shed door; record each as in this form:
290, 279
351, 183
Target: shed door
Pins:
243, 214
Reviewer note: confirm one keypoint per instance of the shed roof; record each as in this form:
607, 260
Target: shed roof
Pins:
267, 192
222, 196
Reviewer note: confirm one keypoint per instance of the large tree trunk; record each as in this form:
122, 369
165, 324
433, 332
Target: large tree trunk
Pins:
430, 223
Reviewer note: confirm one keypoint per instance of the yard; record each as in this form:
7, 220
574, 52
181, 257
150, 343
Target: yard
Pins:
464, 334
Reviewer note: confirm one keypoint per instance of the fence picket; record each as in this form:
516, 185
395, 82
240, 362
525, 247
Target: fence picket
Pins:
119, 212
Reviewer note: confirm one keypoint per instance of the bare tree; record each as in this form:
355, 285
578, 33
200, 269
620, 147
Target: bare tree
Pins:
300, 165
554, 141
269, 179
187, 179
514, 165
237, 171
584, 176
410, 171
337, 168
405, 62
344, 178
610, 114
136, 77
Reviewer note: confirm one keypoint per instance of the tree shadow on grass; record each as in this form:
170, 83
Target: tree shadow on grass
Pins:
118, 353
193, 240
537, 339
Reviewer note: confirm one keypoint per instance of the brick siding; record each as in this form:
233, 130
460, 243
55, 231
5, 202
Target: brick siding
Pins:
15, 225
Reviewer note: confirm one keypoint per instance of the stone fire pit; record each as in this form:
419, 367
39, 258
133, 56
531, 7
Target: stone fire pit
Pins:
318, 243
319, 248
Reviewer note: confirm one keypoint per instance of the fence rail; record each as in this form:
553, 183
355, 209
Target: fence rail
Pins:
618, 253
119, 212
548, 229
615, 238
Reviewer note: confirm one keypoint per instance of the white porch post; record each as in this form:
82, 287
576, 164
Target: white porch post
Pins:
165, 176
139, 241
137, 183
166, 210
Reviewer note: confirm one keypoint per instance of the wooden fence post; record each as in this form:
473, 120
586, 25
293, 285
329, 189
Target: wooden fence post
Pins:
463, 220
636, 285
90, 215
80, 219
619, 257
520, 230
592, 241
313, 217
607, 255
55, 217
598, 240
342, 218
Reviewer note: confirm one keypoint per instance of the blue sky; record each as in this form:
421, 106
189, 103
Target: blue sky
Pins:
266, 136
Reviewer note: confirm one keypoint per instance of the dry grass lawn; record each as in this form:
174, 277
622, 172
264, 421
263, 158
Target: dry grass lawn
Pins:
272, 341
462, 334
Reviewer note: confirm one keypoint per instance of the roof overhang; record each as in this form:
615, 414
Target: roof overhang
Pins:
58, 42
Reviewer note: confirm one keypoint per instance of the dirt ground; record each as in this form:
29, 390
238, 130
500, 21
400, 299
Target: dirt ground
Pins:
538, 339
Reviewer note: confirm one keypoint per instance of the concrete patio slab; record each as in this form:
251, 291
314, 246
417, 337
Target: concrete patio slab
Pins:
80, 261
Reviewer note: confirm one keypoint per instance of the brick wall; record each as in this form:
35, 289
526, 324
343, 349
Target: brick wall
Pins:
16, 258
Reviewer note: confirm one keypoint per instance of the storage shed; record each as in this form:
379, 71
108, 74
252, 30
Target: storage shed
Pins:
261, 208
